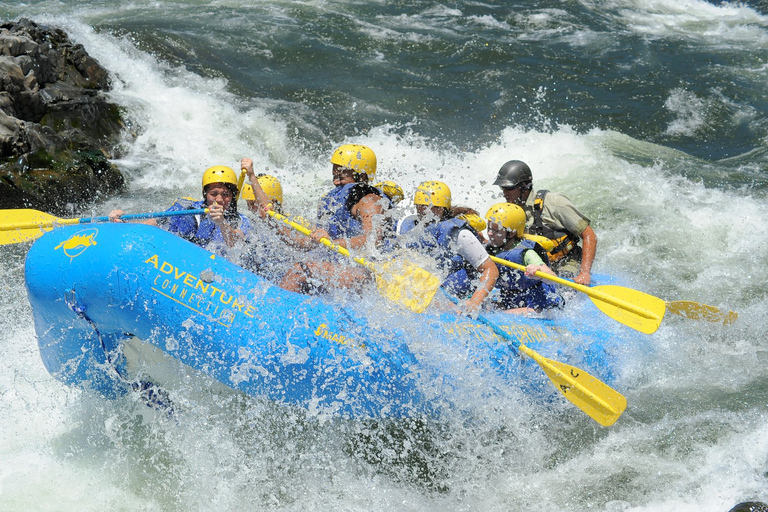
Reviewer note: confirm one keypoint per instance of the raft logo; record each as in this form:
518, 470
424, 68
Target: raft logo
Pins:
523, 334
75, 245
323, 332
198, 293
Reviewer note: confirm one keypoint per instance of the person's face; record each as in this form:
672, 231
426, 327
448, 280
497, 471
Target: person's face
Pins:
517, 194
497, 234
429, 212
218, 193
342, 176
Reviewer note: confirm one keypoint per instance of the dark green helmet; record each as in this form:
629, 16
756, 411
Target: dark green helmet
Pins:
512, 173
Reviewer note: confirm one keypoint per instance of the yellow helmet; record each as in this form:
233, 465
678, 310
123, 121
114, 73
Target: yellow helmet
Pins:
433, 193
219, 174
360, 159
271, 187
392, 189
508, 215
475, 221
269, 184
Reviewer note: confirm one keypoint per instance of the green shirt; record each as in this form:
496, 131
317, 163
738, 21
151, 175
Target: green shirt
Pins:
532, 258
558, 213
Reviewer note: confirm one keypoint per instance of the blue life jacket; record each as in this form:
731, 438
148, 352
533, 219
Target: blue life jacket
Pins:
197, 229
334, 211
436, 242
517, 290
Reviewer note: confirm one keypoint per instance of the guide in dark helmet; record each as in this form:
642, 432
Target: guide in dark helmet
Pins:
553, 220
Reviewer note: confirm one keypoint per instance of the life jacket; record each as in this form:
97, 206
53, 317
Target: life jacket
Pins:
198, 229
334, 211
436, 243
558, 243
516, 290
510, 278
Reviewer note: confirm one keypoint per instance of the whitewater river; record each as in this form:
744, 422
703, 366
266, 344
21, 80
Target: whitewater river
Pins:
651, 115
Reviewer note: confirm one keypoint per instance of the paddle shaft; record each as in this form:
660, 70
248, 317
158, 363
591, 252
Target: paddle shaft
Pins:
303, 230
498, 330
88, 220
240, 184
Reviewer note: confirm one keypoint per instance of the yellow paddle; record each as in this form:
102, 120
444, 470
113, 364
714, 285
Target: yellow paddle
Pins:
633, 308
18, 226
696, 311
240, 181
598, 400
400, 281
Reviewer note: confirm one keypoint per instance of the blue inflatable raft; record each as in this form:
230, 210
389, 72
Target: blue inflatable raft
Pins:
95, 288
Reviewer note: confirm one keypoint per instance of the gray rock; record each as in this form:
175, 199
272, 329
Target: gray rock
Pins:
57, 128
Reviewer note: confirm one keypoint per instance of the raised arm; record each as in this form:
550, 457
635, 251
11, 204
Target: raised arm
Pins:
258, 192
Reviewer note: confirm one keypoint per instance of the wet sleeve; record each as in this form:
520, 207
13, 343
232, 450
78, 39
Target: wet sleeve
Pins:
530, 257
470, 248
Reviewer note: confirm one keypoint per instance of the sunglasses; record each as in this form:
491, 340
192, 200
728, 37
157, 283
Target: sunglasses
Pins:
523, 184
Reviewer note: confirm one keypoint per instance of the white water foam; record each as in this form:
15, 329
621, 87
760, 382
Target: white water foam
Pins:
671, 236
723, 25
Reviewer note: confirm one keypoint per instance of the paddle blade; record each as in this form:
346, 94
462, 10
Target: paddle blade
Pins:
696, 311
632, 308
598, 400
17, 236
407, 284
18, 226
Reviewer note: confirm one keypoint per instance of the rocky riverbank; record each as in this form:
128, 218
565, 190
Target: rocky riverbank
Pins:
57, 127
